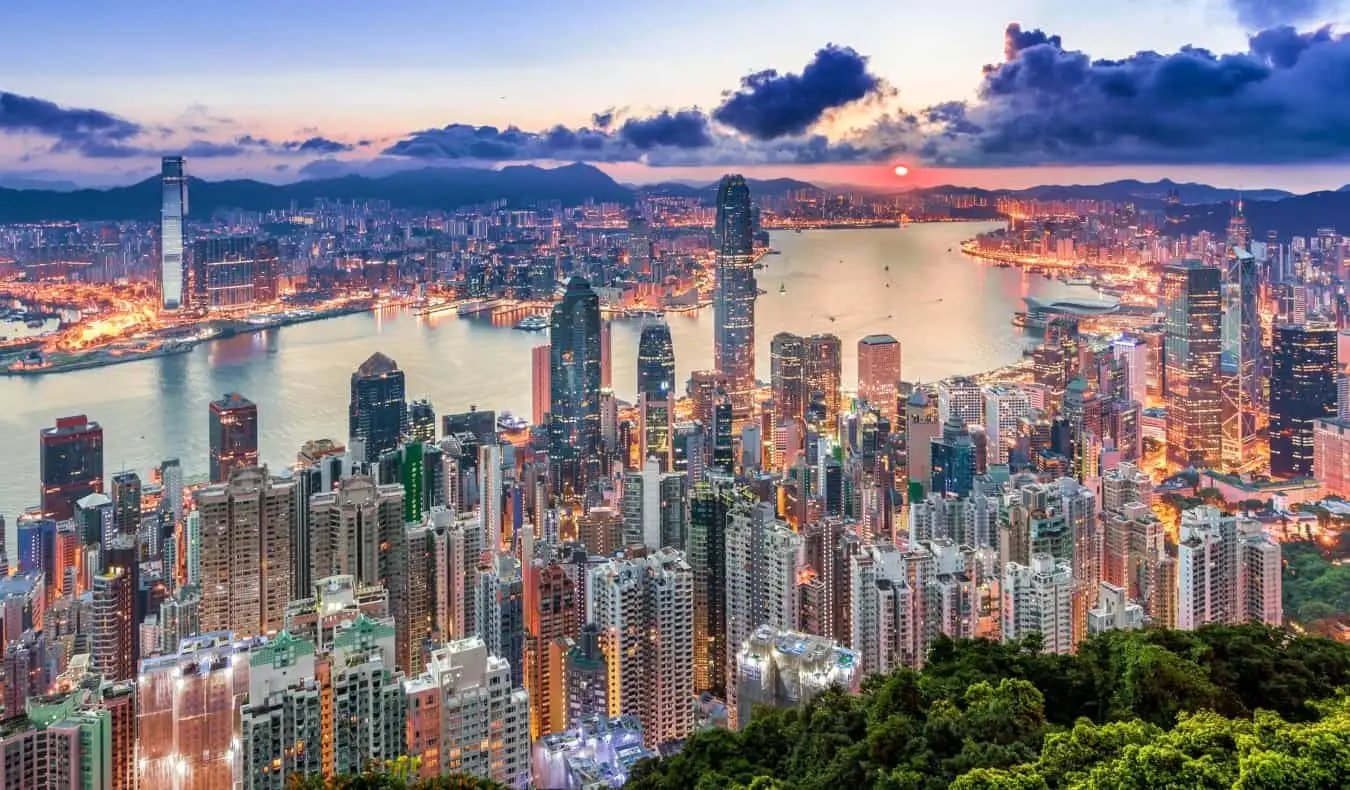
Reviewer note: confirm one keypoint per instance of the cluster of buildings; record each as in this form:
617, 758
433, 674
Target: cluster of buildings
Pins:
555, 603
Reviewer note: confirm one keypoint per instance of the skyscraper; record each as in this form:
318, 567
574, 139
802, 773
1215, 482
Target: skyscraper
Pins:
734, 295
71, 457
787, 354
879, 373
1302, 391
1193, 321
574, 381
422, 421
378, 414
1240, 358
233, 430
126, 497
540, 388
1038, 598
114, 654
175, 206
656, 362
761, 587
823, 371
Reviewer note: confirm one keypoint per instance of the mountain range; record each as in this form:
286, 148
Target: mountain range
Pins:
1207, 207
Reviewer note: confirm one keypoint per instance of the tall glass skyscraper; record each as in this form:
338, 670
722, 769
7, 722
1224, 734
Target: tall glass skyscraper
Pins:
1302, 391
1193, 318
175, 207
656, 362
574, 383
378, 414
734, 297
1240, 362
233, 429
787, 375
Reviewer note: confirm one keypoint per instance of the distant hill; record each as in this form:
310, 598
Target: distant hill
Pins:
1148, 194
773, 187
1301, 215
431, 188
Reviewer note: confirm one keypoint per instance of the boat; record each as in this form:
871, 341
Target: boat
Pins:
759, 266
773, 252
798, 230
761, 291
886, 268
1079, 281
1003, 265
782, 289
533, 323
510, 423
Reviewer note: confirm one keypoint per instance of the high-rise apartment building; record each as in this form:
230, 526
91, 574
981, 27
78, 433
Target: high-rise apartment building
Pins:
551, 620
465, 716
232, 273
1133, 354
1038, 599
1331, 456
1228, 571
1005, 408
66, 741
879, 374
734, 295
71, 462
246, 565
1302, 391
112, 634
779, 668
961, 397
174, 207
654, 508
378, 413
710, 505
1193, 320
644, 606
233, 432
540, 387
574, 380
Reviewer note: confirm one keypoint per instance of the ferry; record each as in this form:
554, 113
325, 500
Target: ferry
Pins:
510, 423
1079, 281
533, 323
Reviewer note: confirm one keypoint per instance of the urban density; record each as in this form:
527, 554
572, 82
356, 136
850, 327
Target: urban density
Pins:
635, 575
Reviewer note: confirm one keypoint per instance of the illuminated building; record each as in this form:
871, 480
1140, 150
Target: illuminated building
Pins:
421, 421
1192, 310
599, 752
282, 726
734, 295
1005, 408
173, 180
369, 704
761, 587
94, 519
490, 491
953, 459
823, 373
879, 373
464, 716
606, 354
550, 617
587, 682
575, 382
1038, 599
962, 397
656, 391
1331, 456
780, 668
233, 430
921, 429
246, 530
710, 505
656, 416
787, 376
540, 388
232, 273
1228, 571
653, 507
1240, 359
378, 414
61, 742
126, 497
187, 714
71, 459
644, 606
114, 650
1302, 391
499, 612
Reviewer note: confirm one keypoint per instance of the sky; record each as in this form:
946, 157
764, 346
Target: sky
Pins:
1245, 93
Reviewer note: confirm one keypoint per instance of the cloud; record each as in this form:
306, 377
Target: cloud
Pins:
769, 105
1281, 101
68, 125
1262, 14
680, 129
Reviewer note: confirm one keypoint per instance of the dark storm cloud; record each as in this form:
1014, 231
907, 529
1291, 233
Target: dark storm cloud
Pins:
69, 125
1281, 101
679, 129
769, 105
490, 144
1261, 14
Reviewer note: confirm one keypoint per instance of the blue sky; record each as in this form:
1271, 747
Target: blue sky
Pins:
349, 71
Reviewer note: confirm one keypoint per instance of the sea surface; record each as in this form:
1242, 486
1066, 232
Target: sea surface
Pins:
951, 314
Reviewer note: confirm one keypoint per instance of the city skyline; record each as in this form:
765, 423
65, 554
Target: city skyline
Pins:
845, 100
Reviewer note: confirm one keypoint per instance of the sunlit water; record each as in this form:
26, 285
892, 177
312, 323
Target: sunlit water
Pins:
951, 314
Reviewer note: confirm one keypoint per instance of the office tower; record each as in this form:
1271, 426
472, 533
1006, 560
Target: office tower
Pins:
113, 652
1114, 611
879, 373
1302, 391
378, 414
499, 611
780, 668
1005, 409
1193, 320
710, 505
246, 528
491, 489
762, 570
644, 606
704, 390
37, 545
823, 371
1240, 358
657, 425
232, 273
1228, 571
71, 460
606, 354
962, 397
787, 353
1331, 456
723, 447
656, 362
1133, 353
540, 388
126, 497
1037, 598
734, 295
465, 716
421, 421
283, 727
481, 424
574, 380
953, 459
187, 714
551, 618
173, 180
653, 505
920, 429
233, 432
